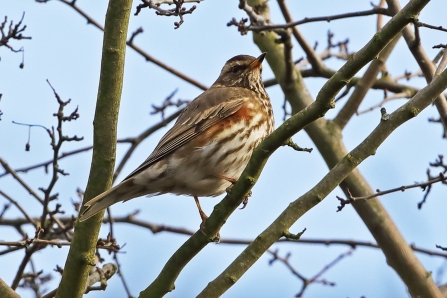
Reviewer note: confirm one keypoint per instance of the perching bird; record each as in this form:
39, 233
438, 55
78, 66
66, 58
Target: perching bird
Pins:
210, 144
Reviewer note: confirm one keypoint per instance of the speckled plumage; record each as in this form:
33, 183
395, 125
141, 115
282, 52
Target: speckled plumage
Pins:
209, 145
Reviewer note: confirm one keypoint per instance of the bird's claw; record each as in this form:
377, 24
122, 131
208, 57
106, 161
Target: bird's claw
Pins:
217, 238
229, 188
245, 201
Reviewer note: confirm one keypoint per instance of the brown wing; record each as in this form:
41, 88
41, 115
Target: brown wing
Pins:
199, 115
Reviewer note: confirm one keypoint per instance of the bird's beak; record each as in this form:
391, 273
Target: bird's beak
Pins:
257, 62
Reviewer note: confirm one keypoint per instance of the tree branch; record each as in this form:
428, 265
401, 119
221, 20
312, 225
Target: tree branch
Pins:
165, 280
7, 292
375, 10
364, 85
130, 43
81, 254
427, 67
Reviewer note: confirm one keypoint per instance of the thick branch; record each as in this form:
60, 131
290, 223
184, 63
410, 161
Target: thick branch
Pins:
81, 254
7, 292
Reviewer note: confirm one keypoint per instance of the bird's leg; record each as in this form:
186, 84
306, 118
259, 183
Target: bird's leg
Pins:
204, 217
233, 181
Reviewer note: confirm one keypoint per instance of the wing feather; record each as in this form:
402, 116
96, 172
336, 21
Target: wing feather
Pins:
187, 128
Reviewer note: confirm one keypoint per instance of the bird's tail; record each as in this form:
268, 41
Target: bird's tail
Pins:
118, 193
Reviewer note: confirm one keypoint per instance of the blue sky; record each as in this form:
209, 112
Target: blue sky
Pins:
67, 52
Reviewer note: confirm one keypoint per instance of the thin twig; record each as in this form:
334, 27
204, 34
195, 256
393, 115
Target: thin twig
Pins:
15, 203
30, 191
305, 281
375, 10
440, 28
14, 32
158, 228
146, 56
422, 185
314, 60
404, 94
45, 164
179, 10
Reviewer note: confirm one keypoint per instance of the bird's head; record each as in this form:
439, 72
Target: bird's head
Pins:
242, 71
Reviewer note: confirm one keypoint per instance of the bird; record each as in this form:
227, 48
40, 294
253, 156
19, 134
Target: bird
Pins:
210, 144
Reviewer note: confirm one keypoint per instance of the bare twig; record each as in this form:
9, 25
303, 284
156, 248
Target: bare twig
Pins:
440, 28
14, 32
158, 228
28, 253
15, 203
307, 281
404, 94
314, 60
295, 147
168, 103
146, 56
56, 144
179, 10
375, 10
422, 185
102, 244
28, 144
134, 34
121, 275
408, 75
134, 141
438, 163
9, 170
115, 254
326, 268
45, 164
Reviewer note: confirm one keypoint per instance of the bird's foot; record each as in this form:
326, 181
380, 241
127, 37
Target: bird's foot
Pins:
229, 188
204, 217
231, 180
245, 201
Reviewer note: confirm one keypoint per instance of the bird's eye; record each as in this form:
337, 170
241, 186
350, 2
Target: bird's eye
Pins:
235, 69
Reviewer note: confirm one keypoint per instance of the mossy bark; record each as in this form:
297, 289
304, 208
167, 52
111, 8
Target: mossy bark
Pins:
81, 255
6, 291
